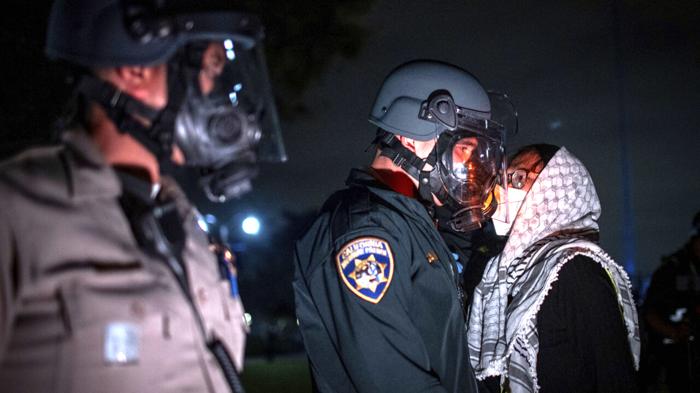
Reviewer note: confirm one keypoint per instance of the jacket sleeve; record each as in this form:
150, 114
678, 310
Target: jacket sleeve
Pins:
377, 342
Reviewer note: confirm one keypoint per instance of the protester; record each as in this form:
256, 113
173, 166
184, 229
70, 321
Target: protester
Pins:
672, 313
553, 312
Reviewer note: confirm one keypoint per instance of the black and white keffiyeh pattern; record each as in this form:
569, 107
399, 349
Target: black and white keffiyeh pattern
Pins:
552, 227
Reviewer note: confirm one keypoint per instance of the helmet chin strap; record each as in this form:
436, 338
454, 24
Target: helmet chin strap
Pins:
463, 219
151, 127
407, 160
429, 184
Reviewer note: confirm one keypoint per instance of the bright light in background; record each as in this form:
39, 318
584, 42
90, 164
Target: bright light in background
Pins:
251, 225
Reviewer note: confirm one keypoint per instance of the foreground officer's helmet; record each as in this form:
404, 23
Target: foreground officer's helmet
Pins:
106, 33
407, 87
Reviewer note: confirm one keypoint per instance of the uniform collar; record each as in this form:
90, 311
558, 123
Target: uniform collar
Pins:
397, 181
89, 174
407, 205
136, 186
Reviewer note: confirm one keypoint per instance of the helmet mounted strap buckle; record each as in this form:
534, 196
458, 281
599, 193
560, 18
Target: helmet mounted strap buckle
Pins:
440, 108
399, 160
407, 160
424, 189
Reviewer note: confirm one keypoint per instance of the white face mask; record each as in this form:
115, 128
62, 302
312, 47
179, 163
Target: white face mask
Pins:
507, 209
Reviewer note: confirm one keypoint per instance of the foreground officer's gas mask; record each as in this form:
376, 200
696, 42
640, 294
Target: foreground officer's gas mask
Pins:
227, 121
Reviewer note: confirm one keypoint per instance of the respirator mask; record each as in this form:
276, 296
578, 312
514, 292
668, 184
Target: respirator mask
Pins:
471, 158
468, 167
227, 121
510, 199
507, 210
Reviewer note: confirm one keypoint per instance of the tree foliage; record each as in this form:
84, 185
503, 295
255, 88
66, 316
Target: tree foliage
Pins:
303, 38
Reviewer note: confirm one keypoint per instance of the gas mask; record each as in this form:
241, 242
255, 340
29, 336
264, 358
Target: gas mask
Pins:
470, 153
466, 162
227, 120
467, 169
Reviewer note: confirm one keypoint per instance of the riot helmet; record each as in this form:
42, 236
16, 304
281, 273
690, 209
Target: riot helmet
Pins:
428, 99
220, 109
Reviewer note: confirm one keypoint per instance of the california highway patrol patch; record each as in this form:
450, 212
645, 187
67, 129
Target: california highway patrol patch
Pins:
366, 266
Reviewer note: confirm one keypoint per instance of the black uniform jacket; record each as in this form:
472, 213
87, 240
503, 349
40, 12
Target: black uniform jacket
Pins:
403, 329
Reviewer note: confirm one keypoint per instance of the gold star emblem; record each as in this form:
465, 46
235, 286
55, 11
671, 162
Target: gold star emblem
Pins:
368, 273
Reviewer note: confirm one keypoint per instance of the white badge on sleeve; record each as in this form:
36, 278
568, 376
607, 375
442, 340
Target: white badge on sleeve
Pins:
122, 343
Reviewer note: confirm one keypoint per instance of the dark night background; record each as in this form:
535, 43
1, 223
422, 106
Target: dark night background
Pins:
617, 82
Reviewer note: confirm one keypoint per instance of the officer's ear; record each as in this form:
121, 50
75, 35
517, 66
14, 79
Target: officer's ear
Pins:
145, 83
420, 148
408, 143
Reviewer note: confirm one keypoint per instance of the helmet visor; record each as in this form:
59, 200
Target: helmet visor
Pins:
470, 165
228, 108
476, 157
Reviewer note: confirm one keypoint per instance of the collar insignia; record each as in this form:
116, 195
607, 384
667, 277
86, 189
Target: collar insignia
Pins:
431, 257
366, 266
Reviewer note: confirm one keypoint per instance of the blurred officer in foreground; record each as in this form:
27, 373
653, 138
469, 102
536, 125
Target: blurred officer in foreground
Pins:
106, 282
672, 314
553, 312
377, 290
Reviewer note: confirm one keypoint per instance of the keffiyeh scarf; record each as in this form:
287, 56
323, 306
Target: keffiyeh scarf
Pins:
554, 224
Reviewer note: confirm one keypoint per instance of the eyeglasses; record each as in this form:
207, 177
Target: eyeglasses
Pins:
518, 178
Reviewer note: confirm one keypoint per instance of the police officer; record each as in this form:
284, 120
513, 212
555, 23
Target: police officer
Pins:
106, 282
672, 313
377, 294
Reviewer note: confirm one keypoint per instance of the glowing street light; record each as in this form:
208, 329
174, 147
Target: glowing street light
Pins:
251, 225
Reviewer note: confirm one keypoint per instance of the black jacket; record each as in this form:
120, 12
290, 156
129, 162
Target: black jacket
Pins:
402, 330
582, 334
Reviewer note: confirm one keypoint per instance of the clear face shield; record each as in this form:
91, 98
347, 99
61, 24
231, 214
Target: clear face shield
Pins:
472, 162
470, 165
227, 121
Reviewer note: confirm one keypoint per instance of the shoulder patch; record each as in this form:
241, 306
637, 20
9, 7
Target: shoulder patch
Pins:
366, 266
